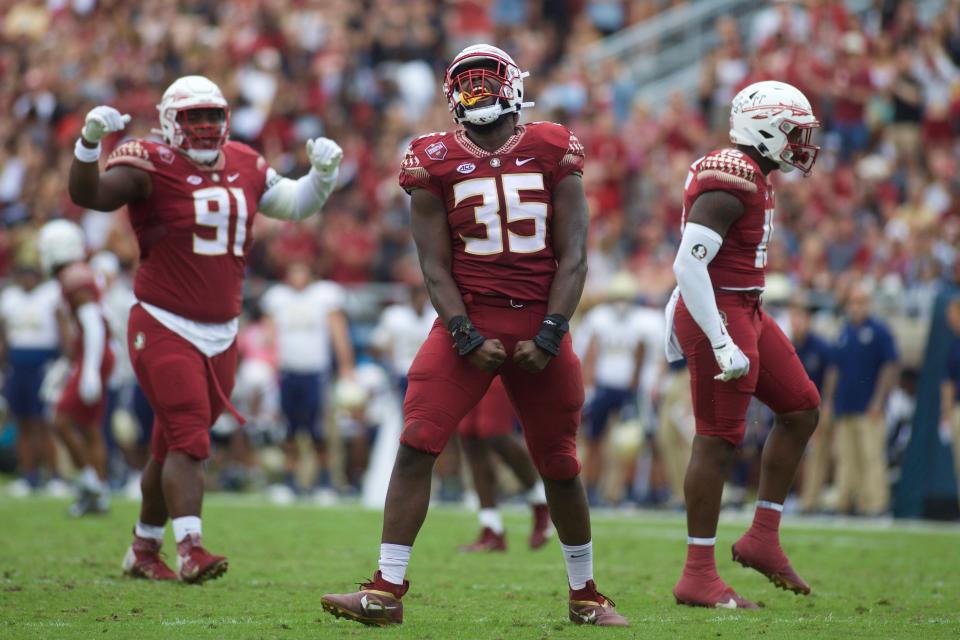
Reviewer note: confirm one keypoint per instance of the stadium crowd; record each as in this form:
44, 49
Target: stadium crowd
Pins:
881, 209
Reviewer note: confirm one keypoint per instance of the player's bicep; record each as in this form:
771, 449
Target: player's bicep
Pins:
570, 219
431, 231
716, 210
121, 185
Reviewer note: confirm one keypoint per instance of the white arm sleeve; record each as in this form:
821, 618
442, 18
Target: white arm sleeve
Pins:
288, 199
698, 247
94, 336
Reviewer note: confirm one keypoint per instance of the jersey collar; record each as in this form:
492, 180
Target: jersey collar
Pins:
470, 147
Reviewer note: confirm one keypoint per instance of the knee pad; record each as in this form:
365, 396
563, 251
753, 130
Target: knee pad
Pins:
558, 466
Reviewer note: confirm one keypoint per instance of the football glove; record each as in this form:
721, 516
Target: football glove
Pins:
101, 121
325, 155
733, 362
90, 387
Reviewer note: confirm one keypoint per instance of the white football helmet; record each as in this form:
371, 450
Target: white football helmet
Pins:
60, 243
777, 120
483, 71
200, 141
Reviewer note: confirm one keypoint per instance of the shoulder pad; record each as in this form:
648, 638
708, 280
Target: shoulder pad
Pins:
732, 168
558, 136
137, 153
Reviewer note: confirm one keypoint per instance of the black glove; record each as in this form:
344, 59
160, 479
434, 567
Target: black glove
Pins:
465, 336
554, 327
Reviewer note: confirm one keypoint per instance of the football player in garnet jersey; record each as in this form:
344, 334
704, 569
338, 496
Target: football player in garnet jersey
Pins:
79, 411
500, 222
191, 199
733, 348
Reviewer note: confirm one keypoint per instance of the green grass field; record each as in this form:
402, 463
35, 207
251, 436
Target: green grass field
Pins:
60, 578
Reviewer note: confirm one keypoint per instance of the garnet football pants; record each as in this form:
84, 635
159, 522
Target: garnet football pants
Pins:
444, 387
493, 416
73, 407
187, 390
777, 377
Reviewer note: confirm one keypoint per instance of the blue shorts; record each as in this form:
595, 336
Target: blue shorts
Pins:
301, 403
25, 373
606, 400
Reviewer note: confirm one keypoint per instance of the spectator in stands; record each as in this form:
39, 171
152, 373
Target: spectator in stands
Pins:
865, 363
308, 318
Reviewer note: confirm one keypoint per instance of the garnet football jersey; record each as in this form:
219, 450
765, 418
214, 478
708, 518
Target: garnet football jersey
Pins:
195, 228
742, 259
499, 204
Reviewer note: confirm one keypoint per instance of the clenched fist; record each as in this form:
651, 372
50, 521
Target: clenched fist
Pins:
101, 121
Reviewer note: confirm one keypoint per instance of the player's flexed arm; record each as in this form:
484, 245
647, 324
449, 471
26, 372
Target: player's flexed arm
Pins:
116, 187
707, 223
431, 233
569, 231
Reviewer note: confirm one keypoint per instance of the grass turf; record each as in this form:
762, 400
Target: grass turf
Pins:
60, 578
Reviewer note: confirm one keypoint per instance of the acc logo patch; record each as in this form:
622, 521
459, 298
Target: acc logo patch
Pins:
467, 167
437, 150
139, 341
698, 251
194, 179
165, 154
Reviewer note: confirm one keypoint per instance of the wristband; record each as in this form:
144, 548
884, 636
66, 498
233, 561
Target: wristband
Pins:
465, 336
552, 330
84, 153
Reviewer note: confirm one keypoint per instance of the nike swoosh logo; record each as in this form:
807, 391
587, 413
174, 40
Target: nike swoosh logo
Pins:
729, 604
520, 162
233, 177
579, 556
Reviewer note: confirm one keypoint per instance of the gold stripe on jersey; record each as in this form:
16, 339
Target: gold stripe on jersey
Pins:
734, 181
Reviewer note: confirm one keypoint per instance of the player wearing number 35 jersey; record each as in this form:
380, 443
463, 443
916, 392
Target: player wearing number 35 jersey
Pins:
499, 217
733, 348
192, 198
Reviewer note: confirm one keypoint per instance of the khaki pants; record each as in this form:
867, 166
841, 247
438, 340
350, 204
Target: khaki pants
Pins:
816, 466
675, 431
861, 465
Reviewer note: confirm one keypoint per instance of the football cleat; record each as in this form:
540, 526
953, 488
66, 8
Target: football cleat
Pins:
709, 592
195, 564
488, 541
89, 503
542, 526
769, 560
376, 604
143, 561
589, 606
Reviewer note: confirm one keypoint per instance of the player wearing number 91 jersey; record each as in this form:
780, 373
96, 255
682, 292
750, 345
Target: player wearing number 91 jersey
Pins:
499, 217
191, 199
734, 349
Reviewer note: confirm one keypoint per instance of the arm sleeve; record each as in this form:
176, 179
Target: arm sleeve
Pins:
698, 247
287, 199
94, 335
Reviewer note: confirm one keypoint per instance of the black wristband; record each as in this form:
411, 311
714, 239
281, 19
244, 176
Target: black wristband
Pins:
554, 327
465, 336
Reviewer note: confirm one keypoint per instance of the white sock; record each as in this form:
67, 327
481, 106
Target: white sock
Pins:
537, 494
702, 542
491, 519
765, 504
150, 531
90, 480
182, 527
394, 559
579, 559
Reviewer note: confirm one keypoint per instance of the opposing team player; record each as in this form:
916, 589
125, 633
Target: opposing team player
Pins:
79, 412
191, 199
500, 219
488, 430
733, 348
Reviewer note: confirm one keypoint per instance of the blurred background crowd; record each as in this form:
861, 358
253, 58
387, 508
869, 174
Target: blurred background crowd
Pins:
874, 230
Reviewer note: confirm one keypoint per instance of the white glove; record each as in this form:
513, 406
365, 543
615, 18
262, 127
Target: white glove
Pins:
90, 387
733, 362
325, 155
101, 121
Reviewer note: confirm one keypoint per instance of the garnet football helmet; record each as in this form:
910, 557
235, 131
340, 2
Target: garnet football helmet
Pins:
776, 119
479, 72
199, 140
60, 243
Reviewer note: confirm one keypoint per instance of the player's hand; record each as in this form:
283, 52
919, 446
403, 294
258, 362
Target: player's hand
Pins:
90, 387
101, 121
733, 362
529, 357
325, 155
488, 356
